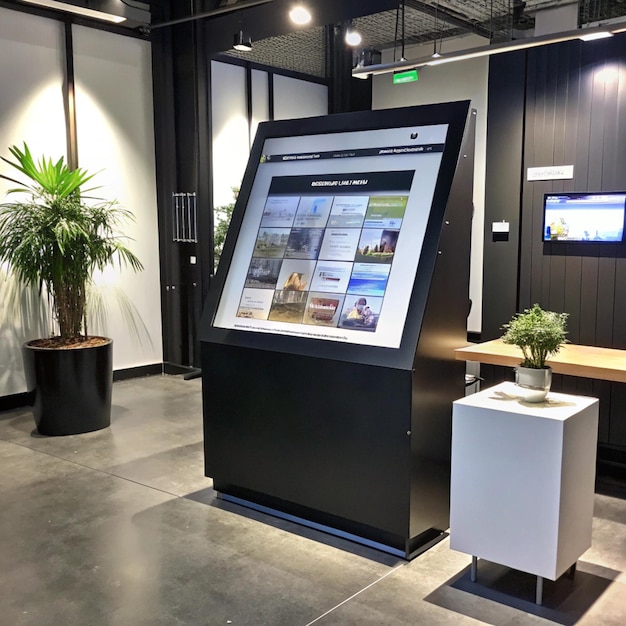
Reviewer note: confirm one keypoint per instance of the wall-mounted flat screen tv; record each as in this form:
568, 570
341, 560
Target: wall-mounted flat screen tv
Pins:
584, 217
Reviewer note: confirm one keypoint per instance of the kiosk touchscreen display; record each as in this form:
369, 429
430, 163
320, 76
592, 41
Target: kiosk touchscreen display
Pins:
331, 236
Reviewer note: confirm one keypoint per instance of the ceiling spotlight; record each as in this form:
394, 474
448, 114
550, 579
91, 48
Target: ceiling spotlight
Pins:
353, 37
436, 51
242, 43
299, 15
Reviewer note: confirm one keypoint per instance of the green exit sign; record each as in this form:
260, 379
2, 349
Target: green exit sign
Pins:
404, 77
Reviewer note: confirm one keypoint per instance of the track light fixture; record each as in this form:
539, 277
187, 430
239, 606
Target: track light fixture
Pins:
498, 48
69, 6
593, 36
242, 43
436, 52
399, 24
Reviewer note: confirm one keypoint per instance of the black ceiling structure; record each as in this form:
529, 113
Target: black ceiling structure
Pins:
278, 43
383, 24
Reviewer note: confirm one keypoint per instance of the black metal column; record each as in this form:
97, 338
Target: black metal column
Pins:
69, 99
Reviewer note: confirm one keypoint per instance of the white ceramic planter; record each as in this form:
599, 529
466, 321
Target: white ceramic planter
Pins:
533, 384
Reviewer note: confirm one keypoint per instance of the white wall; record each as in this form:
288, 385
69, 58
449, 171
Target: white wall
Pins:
295, 98
31, 110
115, 132
260, 100
461, 80
232, 135
116, 138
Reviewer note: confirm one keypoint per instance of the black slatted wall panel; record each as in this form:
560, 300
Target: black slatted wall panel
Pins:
575, 113
506, 91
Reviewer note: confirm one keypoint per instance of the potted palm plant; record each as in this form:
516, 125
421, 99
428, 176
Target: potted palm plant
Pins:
539, 334
54, 237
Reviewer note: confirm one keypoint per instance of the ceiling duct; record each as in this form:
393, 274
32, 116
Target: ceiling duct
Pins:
497, 21
556, 19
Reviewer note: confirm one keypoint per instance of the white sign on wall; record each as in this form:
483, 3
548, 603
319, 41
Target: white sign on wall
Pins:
551, 172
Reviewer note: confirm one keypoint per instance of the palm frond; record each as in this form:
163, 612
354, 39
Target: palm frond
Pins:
55, 239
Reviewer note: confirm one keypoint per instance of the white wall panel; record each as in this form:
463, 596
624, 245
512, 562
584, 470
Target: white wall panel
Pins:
295, 98
31, 110
462, 80
260, 100
116, 138
231, 133
31, 79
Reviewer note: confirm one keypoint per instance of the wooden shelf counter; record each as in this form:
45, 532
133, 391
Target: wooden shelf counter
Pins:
571, 360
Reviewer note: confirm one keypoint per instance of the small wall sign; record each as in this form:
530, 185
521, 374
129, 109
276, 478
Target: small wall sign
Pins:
551, 172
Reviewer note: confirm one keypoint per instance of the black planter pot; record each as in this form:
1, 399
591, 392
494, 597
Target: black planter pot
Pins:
72, 387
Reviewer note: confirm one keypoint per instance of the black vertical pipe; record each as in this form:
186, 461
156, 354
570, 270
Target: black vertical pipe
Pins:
249, 111
166, 142
338, 68
270, 95
200, 274
69, 99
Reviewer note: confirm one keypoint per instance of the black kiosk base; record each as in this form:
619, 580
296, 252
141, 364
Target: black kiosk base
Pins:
350, 439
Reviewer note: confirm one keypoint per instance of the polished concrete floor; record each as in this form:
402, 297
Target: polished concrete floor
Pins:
120, 527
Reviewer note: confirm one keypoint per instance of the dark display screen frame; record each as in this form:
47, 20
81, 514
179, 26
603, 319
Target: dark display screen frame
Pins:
455, 116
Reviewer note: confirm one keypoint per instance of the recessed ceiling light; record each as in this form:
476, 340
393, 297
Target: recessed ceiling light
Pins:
353, 38
300, 15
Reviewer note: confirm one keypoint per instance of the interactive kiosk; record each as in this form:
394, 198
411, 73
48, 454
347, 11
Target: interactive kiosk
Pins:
329, 332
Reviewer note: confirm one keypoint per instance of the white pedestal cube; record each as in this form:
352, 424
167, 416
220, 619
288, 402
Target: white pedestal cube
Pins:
522, 484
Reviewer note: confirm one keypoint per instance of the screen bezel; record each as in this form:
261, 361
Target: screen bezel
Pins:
581, 242
455, 115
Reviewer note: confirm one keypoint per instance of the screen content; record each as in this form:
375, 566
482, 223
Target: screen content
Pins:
332, 233
584, 217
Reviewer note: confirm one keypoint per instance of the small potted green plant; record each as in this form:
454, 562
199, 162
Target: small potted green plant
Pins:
539, 334
53, 237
